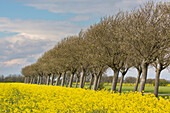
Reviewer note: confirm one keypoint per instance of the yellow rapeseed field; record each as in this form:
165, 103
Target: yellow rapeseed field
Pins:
26, 98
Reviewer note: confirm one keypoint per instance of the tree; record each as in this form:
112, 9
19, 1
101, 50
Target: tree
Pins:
106, 38
145, 36
137, 65
123, 71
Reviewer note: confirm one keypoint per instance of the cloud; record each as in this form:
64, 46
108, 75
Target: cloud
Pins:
83, 6
30, 40
33, 36
14, 62
20, 51
39, 29
71, 6
81, 18
84, 9
21, 47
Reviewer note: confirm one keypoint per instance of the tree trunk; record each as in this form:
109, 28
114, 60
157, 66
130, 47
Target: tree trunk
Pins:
95, 82
114, 82
38, 79
98, 82
77, 79
63, 79
25, 79
31, 80
48, 80
67, 80
84, 81
52, 79
158, 71
71, 80
137, 80
144, 76
58, 79
91, 81
28, 80
121, 83
81, 78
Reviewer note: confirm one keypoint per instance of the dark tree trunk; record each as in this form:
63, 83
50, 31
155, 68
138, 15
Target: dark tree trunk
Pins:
84, 81
158, 71
137, 80
63, 79
144, 76
67, 80
114, 82
58, 79
81, 78
95, 82
98, 82
122, 78
91, 81
77, 79
121, 83
71, 80
52, 79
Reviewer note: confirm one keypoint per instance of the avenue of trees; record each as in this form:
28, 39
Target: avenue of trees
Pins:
134, 39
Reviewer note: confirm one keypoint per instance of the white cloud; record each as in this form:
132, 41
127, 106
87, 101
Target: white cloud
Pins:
81, 18
33, 38
39, 29
13, 62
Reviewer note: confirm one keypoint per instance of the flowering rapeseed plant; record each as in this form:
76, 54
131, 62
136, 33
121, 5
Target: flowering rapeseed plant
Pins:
26, 98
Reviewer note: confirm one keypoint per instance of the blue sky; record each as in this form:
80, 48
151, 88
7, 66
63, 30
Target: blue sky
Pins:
28, 28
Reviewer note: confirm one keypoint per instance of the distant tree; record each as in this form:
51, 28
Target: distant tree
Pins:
149, 81
130, 79
162, 82
1, 78
13, 78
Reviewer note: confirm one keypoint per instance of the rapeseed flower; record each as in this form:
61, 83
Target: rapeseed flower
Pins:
27, 98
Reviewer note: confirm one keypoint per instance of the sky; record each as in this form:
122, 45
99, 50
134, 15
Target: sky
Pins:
28, 28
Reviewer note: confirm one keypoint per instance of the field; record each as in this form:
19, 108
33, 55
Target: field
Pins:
149, 89
162, 89
26, 98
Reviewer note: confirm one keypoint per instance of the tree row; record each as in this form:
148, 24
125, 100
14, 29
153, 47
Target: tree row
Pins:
134, 39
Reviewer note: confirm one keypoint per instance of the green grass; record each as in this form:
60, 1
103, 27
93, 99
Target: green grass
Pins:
162, 89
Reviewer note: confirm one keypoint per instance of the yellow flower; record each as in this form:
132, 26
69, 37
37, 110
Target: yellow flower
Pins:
27, 98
